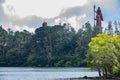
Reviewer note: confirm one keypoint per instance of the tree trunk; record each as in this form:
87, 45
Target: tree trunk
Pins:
99, 71
103, 72
106, 73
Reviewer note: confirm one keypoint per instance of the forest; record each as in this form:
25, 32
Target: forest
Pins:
49, 46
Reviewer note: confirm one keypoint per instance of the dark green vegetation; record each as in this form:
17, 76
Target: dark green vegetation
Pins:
50, 46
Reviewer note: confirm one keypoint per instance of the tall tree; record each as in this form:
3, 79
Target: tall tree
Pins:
84, 36
3, 44
102, 54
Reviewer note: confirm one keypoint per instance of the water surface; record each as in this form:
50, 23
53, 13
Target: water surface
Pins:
13, 73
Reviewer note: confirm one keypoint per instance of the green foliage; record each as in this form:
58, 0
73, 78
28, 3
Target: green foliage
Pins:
15, 57
59, 63
103, 53
68, 64
49, 46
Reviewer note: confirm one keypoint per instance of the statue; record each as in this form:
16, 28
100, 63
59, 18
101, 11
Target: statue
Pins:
99, 17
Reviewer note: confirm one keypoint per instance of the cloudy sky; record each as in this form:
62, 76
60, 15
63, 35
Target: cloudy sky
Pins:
30, 14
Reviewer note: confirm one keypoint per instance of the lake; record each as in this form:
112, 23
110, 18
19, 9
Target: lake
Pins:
19, 73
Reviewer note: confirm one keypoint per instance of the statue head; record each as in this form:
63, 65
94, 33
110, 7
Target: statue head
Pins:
98, 8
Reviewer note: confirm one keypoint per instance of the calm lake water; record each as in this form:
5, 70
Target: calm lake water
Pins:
14, 73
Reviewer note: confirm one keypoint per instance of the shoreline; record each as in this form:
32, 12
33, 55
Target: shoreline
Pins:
95, 78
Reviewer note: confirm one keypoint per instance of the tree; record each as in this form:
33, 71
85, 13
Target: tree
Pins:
3, 46
3, 41
15, 57
110, 28
16, 52
51, 42
101, 54
84, 36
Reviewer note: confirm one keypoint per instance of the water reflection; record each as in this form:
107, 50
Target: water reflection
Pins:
45, 73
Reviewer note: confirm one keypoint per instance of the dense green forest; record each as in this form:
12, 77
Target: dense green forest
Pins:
50, 46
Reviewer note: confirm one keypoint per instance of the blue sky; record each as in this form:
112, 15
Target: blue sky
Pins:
112, 14
29, 14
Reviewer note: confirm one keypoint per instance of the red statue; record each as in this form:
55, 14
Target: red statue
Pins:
99, 17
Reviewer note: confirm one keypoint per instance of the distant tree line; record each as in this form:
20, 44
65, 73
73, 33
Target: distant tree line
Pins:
50, 46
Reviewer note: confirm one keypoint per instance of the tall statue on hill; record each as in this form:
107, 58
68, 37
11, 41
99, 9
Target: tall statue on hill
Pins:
98, 18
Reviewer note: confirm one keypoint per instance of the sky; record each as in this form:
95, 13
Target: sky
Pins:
30, 14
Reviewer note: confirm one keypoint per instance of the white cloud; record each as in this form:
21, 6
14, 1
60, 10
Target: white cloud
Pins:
75, 21
21, 28
41, 8
15, 27
29, 14
105, 24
